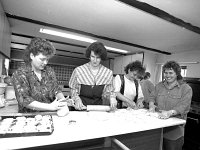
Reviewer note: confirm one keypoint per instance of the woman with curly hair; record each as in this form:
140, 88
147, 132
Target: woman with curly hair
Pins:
147, 88
128, 90
92, 82
172, 98
35, 83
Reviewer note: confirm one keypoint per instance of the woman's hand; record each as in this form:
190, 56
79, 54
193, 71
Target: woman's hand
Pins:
167, 114
113, 103
152, 107
131, 104
78, 104
164, 114
57, 104
140, 105
69, 101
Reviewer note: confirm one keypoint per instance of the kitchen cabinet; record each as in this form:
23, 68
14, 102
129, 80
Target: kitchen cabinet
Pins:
5, 33
122, 61
117, 69
126, 61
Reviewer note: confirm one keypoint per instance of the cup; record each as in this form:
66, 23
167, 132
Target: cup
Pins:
63, 111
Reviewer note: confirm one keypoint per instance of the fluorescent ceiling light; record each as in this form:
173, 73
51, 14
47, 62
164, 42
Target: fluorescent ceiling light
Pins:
79, 38
116, 49
67, 35
18, 46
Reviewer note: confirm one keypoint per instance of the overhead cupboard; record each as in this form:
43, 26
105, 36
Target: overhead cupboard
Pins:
5, 34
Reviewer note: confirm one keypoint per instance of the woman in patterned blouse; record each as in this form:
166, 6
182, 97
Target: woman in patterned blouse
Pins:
92, 81
35, 84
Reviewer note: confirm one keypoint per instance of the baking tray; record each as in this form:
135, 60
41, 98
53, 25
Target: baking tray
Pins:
31, 125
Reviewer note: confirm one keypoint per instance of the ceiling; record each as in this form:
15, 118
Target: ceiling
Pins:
157, 26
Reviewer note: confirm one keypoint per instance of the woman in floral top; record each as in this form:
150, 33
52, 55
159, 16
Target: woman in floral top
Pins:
35, 84
172, 97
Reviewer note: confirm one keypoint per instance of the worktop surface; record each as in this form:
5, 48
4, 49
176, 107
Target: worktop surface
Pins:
82, 125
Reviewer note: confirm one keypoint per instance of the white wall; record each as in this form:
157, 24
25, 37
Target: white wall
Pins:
150, 60
1, 64
193, 70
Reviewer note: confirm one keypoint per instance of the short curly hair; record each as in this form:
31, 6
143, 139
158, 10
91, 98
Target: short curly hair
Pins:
147, 75
135, 66
174, 66
98, 48
39, 45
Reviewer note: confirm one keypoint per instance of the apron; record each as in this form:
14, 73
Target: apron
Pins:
91, 94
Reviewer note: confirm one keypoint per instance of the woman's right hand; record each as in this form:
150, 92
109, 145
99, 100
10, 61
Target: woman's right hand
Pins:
152, 107
56, 105
132, 104
79, 105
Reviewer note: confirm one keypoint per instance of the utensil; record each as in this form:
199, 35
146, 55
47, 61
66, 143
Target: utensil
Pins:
98, 108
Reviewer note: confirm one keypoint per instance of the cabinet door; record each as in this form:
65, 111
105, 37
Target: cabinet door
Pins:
126, 61
117, 69
121, 62
137, 57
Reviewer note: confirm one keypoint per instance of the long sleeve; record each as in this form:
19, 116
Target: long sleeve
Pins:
117, 83
183, 106
73, 84
22, 89
109, 88
140, 94
153, 95
54, 86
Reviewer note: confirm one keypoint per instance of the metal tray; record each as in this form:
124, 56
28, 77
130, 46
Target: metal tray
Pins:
20, 126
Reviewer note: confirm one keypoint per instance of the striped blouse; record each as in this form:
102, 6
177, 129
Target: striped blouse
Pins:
83, 75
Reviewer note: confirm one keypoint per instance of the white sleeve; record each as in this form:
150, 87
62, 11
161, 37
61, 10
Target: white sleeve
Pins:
117, 83
140, 93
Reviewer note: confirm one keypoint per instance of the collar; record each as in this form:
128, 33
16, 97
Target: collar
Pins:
30, 69
88, 65
177, 83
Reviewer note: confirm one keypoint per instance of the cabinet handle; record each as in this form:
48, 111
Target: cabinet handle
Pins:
193, 119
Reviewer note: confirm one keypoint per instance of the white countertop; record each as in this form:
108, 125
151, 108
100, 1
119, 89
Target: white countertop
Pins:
90, 125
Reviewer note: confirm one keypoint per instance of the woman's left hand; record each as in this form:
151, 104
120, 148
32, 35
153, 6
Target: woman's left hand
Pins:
113, 103
140, 105
164, 114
